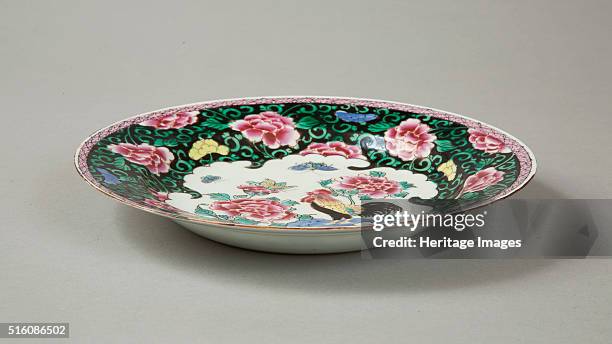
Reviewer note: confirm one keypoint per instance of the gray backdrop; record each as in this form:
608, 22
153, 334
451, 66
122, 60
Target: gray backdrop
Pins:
540, 70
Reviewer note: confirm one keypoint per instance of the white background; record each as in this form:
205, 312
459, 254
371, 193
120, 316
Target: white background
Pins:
540, 70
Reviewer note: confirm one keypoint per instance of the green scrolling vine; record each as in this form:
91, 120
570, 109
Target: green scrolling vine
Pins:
360, 125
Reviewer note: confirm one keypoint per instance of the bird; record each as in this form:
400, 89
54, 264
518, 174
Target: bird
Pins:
322, 200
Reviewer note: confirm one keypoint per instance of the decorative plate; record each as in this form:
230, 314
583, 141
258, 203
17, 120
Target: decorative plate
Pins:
297, 164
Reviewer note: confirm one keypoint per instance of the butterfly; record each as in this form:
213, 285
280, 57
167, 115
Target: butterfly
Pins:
210, 178
313, 166
356, 117
449, 169
272, 185
109, 178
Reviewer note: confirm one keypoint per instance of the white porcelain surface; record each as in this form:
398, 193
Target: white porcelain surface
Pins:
294, 242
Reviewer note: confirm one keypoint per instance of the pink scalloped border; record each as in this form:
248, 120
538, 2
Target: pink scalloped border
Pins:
525, 156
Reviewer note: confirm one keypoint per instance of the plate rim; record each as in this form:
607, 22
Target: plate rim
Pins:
80, 159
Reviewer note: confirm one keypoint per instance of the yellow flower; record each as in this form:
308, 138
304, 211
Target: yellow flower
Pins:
207, 146
449, 169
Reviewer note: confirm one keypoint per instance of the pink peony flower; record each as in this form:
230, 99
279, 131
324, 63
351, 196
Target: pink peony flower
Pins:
156, 159
173, 121
270, 127
487, 143
481, 180
158, 202
334, 148
410, 140
368, 185
162, 196
261, 210
256, 189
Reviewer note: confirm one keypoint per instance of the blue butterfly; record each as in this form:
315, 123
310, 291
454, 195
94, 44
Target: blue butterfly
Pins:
210, 178
109, 178
313, 166
356, 117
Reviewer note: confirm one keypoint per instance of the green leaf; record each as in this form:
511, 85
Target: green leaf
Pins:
470, 195
444, 145
380, 126
214, 124
400, 195
307, 122
171, 142
326, 182
377, 174
204, 212
406, 185
121, 164
305, 217
365, 197
244, 221
289, 202
274, 199
220, 196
